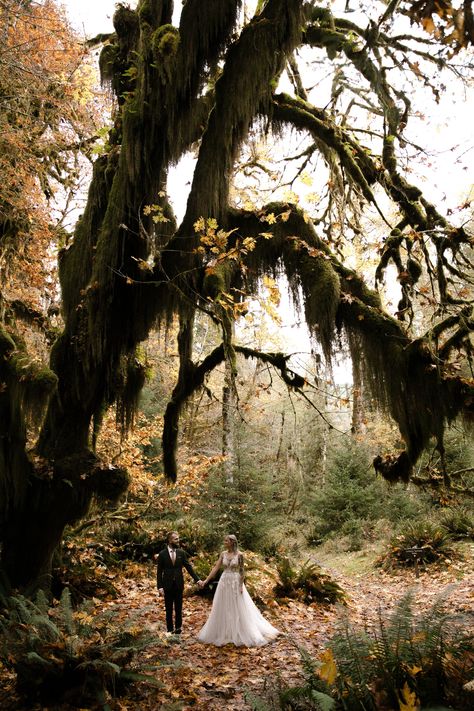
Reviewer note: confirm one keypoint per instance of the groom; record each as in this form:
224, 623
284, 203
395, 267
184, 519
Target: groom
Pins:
170, 582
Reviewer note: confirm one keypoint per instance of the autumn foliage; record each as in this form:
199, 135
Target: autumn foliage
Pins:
46, 120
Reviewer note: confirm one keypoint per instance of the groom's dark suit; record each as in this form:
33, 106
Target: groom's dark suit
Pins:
169, 577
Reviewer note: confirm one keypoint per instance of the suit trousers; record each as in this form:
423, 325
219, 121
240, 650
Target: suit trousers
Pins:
174, 599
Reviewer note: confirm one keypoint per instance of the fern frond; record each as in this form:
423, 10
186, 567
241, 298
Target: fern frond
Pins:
65, 613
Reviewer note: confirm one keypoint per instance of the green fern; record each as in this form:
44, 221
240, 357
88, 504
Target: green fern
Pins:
458, 522
65, 612
430, 540
53, 658
404, 649
308, 584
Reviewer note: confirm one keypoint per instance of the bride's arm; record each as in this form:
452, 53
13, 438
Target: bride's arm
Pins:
214, 571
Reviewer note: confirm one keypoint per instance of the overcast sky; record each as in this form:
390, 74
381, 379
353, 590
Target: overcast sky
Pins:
91, 16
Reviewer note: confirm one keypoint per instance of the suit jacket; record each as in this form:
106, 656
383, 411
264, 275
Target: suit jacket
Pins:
169, 576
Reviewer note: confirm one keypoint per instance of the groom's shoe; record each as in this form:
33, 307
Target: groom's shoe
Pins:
177, 631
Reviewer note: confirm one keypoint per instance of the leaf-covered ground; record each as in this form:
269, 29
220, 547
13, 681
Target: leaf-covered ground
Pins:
196, 676
206, 677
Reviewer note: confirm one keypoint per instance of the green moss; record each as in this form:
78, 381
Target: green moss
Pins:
126, 23
7, 344
165, 41
145, 12
217, 279
107, 62
322, 291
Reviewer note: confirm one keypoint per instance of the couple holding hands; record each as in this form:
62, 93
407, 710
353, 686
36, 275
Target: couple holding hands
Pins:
234, 617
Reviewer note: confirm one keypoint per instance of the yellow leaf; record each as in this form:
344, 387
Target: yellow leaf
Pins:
265, 235
270, 218
414, 670
428, 25
407, 700
199, 225
268, 282
328, 671
249, 243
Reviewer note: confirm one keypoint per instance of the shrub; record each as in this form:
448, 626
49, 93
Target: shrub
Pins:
351, 492
243, 508
458, 521
424, 658
405, 661
422, 541
60, 656
130, 541
83, 570
308, 584
352, 499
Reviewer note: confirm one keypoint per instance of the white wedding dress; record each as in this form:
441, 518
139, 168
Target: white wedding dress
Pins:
234, 617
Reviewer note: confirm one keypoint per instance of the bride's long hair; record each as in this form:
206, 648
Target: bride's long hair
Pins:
233, 540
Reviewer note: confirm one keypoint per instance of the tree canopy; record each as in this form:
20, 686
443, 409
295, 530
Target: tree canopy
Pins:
215, 79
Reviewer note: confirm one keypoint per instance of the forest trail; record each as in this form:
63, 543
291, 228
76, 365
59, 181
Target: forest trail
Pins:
197, 676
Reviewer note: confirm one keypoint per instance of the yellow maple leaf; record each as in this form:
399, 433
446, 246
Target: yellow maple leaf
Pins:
200, 225
328, 670
407, 699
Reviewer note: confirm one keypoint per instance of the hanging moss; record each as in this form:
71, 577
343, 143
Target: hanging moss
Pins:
146, 12
402, 376
297, 113
25, 389
109, 484
30, 383
264, 43
128, 392
108, 63
126, 25
7, 344
75, 262
205, 30
164, 44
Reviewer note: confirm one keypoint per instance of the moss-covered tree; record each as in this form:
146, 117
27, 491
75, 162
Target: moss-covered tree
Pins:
209, 83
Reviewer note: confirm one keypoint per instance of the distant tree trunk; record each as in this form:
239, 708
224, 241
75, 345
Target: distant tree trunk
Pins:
358, 412
228, 423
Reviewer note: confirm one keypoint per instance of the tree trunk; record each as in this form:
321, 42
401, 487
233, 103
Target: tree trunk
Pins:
228, 421
358, 414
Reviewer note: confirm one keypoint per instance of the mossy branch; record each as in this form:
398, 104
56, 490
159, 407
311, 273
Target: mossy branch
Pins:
192, 377
421, 399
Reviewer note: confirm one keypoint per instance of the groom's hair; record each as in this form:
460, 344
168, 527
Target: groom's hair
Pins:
169, 534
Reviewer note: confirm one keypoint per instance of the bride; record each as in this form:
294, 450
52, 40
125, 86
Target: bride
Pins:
234, 616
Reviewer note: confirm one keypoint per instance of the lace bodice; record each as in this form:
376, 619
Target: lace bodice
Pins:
230, 562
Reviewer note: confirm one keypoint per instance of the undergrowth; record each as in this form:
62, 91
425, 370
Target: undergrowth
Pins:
61, 655
405, 661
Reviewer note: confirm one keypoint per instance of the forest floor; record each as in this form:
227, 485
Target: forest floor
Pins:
196, 676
